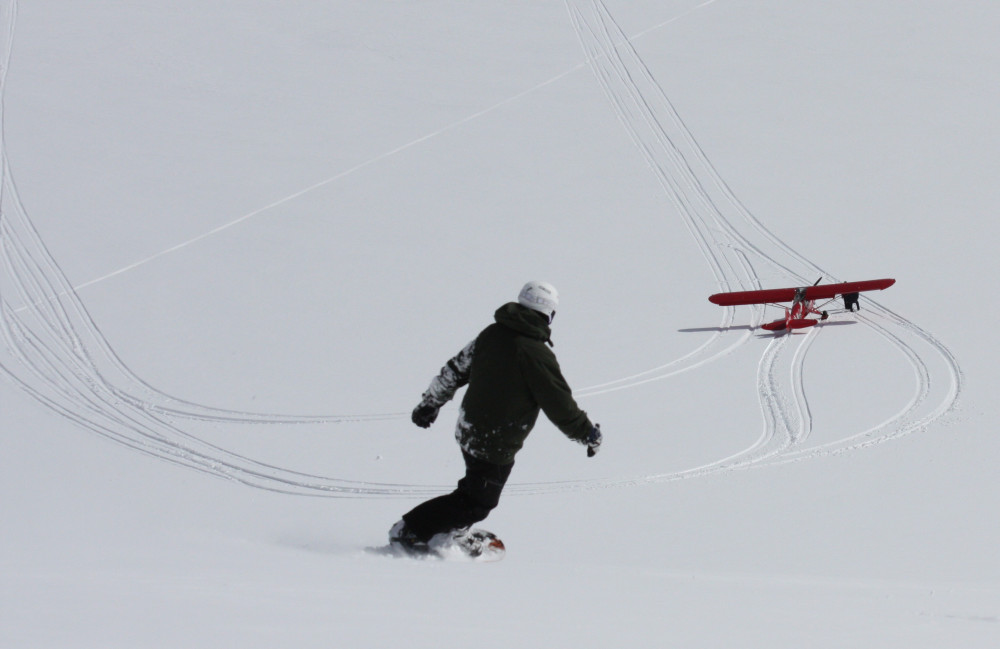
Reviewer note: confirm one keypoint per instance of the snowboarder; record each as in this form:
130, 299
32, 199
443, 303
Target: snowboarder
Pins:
511, 375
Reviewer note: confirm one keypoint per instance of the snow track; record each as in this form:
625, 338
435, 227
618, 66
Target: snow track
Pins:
55, 352
735, 243
64, 362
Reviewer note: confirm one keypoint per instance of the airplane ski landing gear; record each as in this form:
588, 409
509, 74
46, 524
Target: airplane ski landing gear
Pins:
792, 323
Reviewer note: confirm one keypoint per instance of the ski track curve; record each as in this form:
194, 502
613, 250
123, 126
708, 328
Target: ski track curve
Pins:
57, 354
721, 226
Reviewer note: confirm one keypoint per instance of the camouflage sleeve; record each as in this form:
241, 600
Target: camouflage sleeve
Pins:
453, 376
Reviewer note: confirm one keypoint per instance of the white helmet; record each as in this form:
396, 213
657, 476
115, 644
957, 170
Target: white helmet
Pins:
540, 296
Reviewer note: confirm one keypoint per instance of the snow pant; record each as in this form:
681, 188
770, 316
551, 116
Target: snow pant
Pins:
478, 493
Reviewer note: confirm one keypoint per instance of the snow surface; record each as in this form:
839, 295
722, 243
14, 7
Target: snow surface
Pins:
240, 237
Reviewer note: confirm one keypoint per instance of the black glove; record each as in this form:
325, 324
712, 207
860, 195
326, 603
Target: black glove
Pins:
594, 440
425, 414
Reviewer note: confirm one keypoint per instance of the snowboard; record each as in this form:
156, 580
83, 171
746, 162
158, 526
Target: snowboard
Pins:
471, 545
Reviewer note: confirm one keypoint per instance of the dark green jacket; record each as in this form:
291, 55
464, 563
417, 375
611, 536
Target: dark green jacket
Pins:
512, 374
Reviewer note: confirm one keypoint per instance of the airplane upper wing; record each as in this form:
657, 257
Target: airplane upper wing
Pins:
820, 292
739, 298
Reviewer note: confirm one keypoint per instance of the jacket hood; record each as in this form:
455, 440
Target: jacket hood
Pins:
525, 321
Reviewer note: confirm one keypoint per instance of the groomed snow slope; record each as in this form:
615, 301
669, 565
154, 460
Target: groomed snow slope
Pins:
238, 239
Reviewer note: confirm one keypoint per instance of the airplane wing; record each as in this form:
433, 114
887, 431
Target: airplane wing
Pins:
820, 292
739, 298
829, 291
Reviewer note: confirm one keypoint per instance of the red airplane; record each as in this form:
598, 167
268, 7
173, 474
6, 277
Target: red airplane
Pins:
803, 300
